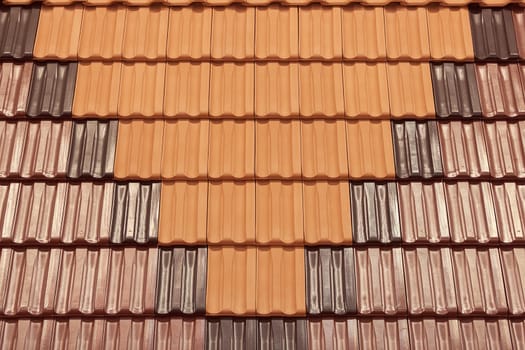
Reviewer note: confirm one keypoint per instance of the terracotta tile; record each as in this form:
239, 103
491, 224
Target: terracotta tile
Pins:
233, 32
509, 202
320, 34
96, 89
185, 149
189, 33
366, 90
186, 90
279, 212
506, 148
513, 273
327, 213
139, 149
145, 33
280, 291
232, 88
449, 33
231, 288
141, 89
183, 210
276, 90
518, 15
58, 32
321, 90
406, 31
18, 26
102, 33
370, 153
15, 79
231, 153
363, 32
324, 154
278, 149
276, 32
231, 213
410, 90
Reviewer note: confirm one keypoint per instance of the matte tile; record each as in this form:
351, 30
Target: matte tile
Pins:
186, 92
233, 32
145, 33
363, 32
277, 32
189, 32
232, 88
406, 30
321, 90
102, 33
276, 90
320, 35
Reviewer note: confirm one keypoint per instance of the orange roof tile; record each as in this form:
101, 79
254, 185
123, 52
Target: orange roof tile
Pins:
231, 285
145, 33
276, 32
449, 33
366, 90
406, 31
102, 33
279, 212
278, 149
321, 90
370, 151
280, 281
410, 89
231, 212
276, 89
327, 212
96, 89
186, 90
232, 89
320, 34
58, 32
233, 32
185, 149
363, 32
141, 89
231, 149
139, 149
324, 154
183, 210
189, 33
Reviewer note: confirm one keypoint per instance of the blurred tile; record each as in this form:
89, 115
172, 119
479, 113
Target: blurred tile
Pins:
333, 333
513, 273
15, 79
18, 25
363, 32
449, 33
189, 32
518, 15
277, 32
320, 35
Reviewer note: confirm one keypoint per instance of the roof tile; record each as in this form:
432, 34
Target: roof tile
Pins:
370, 153
145, 33
276, 89
333, 333
513, 272
363, 32
232, 87
506, 148
282, 333
233, 32
378, 333
52, 89
280, 291
276, 32
416, 149
102, 33
96, 89
323, 152
327, 212
330, 281
189, 32
518, 15
228, 333
517, 329
423, 212
15, 79
34, 149
186, 90
183, 213
58, 32
455, 90
231, 213
18, 25
449, 33
375, 212
366, 90
509, 203
406, 31
321, 90
278, 149
320, 34
232, 282
279, 212
181, 281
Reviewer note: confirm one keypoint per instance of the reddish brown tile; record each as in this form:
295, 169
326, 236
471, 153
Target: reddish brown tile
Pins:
518, 14
320, 34
321, 90
102, 33
509, 202
366, 90
513, 261
233, 32
232, 90
363, 32
506, 148
276, 90
276, 32
15, 79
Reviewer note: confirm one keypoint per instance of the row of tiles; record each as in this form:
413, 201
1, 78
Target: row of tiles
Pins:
262, 213
277, 32
262, 90
251, 281
262, 333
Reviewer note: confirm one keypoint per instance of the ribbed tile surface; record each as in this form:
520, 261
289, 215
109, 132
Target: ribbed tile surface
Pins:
15, 79
18, 26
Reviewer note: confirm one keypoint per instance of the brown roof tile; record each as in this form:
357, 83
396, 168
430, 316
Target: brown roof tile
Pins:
506, 148
279, 212
232, 90
332, 333
58, 32
513, 261
380, 333
509, 202
370, 152
449, 33
363, 32
189, 32
327, 212
183, 212
18, 25
231, 213
280, 291
518, 14
276, 32
186, 90
324, 153
228, 332
406, 31
102, 33
517, 329
233, 32
321, 90
232, 278
96, 89
145, 33
15, 79
320, 34
278, 149
276, 89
